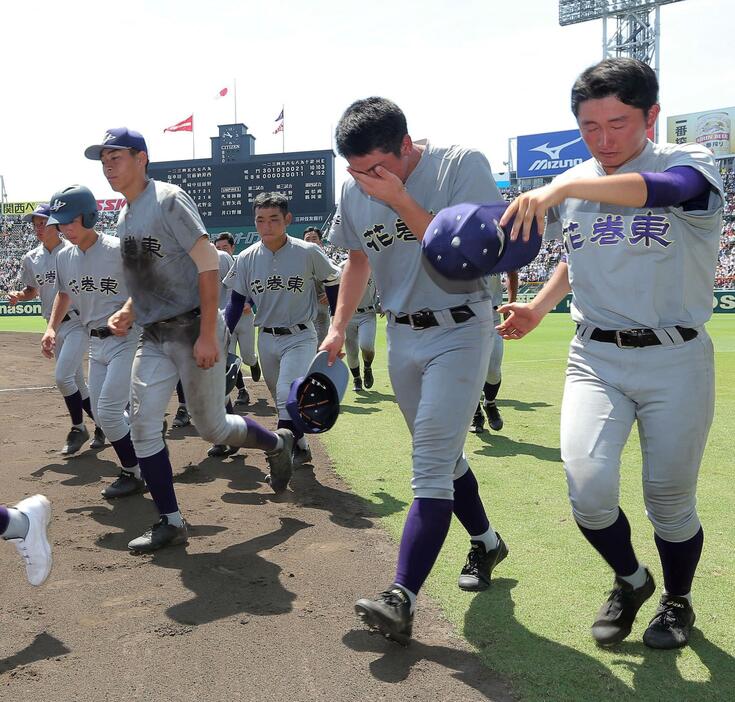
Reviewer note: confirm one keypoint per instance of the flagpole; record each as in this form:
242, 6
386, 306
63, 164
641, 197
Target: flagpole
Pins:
193, 148
283, 131
234, 97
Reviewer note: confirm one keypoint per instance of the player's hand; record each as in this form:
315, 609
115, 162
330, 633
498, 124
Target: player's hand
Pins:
323, 299
521, 319
121, 322
380, 183
206, 352
14, 297
48, 343
529, 206
333, 343
247, 309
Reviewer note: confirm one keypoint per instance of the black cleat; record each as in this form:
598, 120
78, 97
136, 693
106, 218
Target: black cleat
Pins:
616, 616
255, 372
671, 625
301, 455
182, 418
160, 535
357, 384
243, 397
478, 422
493, 415
475, 576
281, 462
75, 439
221, 450
369, 380
125, 484
98, 440
389, 613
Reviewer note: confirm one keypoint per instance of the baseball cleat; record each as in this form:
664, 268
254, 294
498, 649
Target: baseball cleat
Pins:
35, 548
125, 484
389, 613
281, 462
616, 616
182, 418
671, 625
220, 450
243, 397
98, 440
160, 535
475, 576
301, 455
255, 372
478, 422
357, 384
75, 439
493, 415
369, 380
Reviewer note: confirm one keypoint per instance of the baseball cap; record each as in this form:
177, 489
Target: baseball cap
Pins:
117, 138
465, 242
43, 209
313, 400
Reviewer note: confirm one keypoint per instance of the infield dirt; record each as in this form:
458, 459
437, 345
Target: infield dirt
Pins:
257, 606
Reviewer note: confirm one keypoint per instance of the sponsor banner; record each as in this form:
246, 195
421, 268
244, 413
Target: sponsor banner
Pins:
32, 308
722, 301
713, 129
551, 153
19, 209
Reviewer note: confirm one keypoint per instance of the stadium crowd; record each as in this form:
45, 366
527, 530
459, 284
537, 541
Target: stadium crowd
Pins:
17, 238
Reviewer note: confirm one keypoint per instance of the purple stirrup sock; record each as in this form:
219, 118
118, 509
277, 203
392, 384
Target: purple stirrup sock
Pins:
125, 451
159, 476
490, 390
260, 437
87, 406
679, 562
468, 507
4, 519
424, 532
180, 393
614, 545
74, 405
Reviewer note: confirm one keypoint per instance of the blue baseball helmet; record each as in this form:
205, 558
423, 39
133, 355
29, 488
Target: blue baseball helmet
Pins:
66, 205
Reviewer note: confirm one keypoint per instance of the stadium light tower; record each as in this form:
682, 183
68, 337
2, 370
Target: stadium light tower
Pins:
3, 203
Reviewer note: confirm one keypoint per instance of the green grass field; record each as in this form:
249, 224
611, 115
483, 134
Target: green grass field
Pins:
22, 324
532, 626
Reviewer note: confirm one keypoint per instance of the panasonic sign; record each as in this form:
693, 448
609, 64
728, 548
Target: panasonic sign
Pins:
549, 154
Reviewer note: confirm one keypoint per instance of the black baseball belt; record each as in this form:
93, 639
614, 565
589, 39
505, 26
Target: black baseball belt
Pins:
360, 310
178, 319
426, 318
101, 332
68, 315
282, 331
637, 338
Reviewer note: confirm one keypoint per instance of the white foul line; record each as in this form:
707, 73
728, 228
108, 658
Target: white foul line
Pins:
44, 387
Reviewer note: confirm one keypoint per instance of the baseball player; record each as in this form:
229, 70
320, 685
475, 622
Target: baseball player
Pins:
171, 271
321, 322
39, 278
278, 275
493, 379
439, 342
641, 224
26, 525
243, 335
360, 337
89, 276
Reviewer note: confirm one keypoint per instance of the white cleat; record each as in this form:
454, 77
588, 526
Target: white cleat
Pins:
35, 549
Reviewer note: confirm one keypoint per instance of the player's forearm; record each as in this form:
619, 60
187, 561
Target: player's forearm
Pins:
415, 217
61, 305
554, 291
28, 293
626, 189
208, 302
354, 279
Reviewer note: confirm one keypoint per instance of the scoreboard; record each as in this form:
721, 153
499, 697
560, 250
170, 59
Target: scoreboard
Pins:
225, 185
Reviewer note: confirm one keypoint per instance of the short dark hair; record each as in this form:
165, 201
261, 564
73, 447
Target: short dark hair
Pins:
369, 124
632, 82
267, 200
316, 231
226, 236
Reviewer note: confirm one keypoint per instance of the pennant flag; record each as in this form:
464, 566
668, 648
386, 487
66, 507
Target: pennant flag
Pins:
279, 119
186, 125
221, 93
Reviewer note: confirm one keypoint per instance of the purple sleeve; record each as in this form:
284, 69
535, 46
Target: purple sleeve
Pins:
332, 292
234, 309
680, 185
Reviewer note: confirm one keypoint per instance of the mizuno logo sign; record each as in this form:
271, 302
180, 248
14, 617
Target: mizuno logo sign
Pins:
553, 152
543, 164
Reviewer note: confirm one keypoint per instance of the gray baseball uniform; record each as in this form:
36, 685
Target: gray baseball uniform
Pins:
94, 281
243, 335
225, 263
361, 329
634, 268
281, 285
322, 319
156, 232
435, 371
39, 271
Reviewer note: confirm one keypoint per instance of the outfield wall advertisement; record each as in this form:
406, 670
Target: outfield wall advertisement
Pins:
722, 301
713, 129
32, 308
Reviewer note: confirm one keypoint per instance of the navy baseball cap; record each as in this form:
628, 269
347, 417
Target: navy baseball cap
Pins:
117, 138
313, 400
43, 209
465, 242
